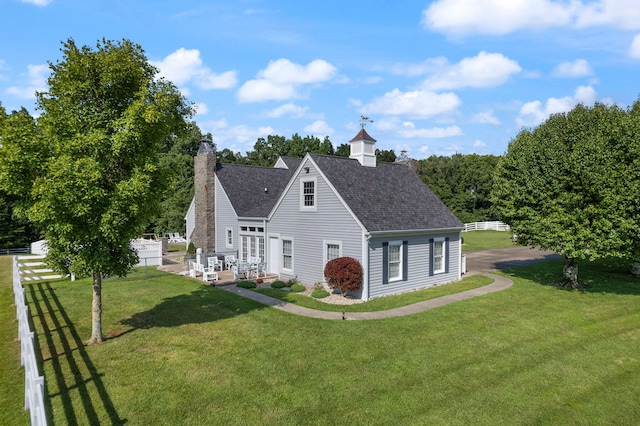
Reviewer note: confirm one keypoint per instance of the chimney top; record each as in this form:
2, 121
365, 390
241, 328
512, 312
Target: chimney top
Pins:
205, 147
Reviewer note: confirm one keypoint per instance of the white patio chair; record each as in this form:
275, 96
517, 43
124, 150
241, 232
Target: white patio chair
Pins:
214, 263
240, 269
229, 261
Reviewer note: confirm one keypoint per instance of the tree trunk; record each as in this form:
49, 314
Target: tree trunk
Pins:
96, 310
570, 273
635, 268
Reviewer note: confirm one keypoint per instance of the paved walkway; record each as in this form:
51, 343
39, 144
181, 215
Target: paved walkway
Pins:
479, 262
500, 283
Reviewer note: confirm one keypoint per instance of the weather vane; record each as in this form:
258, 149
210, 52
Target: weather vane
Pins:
364, 120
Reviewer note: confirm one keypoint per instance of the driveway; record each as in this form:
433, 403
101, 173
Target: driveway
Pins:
482, 261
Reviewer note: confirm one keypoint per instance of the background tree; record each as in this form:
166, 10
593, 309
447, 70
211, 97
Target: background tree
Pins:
91, 165
177, 159
462, 182
562, 186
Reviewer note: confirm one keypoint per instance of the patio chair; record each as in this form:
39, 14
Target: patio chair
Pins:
229, 261
214, 263
240, 269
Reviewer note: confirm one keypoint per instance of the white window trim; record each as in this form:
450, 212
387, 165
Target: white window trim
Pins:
313, 208
287, 270
325, 243
444, 255
226, 237
401, 263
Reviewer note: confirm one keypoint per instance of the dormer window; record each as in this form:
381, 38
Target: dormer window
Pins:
308, 194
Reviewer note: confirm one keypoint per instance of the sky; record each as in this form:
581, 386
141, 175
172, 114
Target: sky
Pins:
432, 77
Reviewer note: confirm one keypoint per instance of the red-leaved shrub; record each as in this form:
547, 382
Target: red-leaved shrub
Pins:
344, 273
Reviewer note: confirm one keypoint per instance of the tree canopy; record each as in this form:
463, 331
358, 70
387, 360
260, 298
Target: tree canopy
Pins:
88, 169
569, 184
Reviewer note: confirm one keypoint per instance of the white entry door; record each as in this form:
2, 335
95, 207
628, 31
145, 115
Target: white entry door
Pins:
273, 266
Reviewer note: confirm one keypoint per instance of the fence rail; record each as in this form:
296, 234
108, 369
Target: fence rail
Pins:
486, 226
14, 251
33, 381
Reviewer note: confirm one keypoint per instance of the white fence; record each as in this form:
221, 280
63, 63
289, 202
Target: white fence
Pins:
486, 226
33, 382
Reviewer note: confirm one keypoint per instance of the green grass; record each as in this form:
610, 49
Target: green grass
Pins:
381, 303
186, 353
485, 240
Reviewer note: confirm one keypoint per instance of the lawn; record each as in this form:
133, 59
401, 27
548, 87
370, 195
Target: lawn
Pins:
181, 352
484, 240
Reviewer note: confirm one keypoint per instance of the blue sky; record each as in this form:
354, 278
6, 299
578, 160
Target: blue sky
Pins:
435, 77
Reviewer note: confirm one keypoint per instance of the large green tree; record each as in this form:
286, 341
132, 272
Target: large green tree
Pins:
570, 185
462, 182
89, 169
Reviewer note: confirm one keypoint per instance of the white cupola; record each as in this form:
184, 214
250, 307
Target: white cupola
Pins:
362, 149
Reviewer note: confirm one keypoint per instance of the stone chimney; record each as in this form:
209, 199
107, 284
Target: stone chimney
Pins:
362, 149
204, 164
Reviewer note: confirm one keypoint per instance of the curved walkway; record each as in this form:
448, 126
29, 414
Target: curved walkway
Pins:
499, 283
479, 262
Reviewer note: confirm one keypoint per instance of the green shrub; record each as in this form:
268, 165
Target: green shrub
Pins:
298, 288
191, 249
319, 294
246, 284
278, 284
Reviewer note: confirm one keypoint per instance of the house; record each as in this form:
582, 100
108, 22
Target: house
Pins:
301, 213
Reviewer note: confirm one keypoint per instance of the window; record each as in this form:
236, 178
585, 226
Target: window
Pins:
332, 250
439, 255
229, 238
287, 254
308, 194
395, 261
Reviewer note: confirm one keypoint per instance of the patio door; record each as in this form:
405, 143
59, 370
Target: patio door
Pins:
251, 246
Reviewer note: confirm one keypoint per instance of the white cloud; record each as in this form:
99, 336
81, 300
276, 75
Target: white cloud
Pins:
410, 132
479, 144
37, 2
201, 108
288, 109
485, 117
483, 70
577, 68
534, 113
463, 17
281, 79
319, 127
185, 66
417, 103
634, 49
36, 81
237, 138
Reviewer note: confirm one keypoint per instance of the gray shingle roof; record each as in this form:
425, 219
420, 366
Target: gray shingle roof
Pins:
245, 186
388, 197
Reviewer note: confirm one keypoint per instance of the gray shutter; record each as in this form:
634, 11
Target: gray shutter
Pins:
385, 263
446, 255
405, 260
430, 257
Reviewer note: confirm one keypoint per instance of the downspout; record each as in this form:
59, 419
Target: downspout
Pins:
265, 242
365, 265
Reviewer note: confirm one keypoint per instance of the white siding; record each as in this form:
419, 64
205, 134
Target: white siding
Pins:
225, 218
419, 258
331, 221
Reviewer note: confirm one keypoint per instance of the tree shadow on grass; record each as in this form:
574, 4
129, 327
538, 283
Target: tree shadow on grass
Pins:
601, 276
76, 378
206, 304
